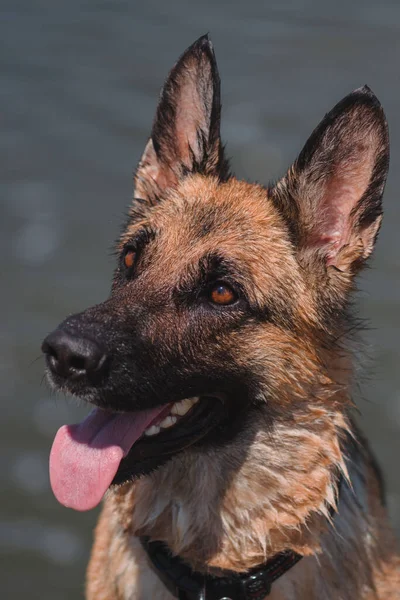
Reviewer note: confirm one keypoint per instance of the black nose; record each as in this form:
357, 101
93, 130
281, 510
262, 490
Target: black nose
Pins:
70, 356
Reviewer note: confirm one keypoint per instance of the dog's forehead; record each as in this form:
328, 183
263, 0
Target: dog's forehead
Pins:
234, 217
235, 220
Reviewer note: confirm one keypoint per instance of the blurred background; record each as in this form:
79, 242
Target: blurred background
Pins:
79, 85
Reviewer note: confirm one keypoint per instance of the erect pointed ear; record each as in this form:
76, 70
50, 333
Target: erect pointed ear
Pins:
332, 195
186, 131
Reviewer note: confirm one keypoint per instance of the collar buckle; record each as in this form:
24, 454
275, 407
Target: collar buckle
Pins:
254, 587
257, 585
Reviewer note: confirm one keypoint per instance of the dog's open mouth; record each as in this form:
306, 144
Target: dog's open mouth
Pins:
110, 447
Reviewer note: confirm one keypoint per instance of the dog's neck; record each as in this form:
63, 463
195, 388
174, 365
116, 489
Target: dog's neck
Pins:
236, 506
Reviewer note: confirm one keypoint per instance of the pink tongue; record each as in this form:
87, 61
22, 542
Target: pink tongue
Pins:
85, 457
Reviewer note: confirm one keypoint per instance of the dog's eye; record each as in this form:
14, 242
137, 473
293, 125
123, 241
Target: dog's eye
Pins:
222, 294
129, 258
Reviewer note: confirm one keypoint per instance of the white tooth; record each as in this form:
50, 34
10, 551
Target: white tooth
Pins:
182, 407
167, 422
153, 430
189, 402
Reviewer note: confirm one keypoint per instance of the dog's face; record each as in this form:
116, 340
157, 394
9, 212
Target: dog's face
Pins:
227, 296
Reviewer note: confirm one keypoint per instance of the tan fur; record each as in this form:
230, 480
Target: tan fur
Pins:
270, 493
292, 472
242, 215
239, 525
272, 488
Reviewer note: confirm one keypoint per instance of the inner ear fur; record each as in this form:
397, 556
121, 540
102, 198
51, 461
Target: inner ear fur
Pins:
331, 197
185, 137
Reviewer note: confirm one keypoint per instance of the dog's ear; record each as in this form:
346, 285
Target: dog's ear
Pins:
186, 131
332, 195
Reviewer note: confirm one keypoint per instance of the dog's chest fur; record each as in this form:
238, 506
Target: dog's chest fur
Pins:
347, 559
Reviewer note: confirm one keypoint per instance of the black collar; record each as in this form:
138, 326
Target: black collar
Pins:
185, 584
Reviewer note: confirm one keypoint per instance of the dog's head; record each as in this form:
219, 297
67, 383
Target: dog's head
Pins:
228, 297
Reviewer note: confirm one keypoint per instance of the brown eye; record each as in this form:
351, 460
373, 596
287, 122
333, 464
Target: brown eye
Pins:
129, 259
222, 294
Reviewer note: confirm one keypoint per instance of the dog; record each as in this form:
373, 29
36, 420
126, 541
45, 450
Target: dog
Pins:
220, 369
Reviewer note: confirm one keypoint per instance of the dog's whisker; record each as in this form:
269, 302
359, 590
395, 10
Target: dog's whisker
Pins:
40, 357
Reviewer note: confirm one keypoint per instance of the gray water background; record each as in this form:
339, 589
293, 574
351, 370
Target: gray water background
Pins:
79, 84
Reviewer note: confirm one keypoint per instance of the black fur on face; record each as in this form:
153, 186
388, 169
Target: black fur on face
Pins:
157, 353
161, 348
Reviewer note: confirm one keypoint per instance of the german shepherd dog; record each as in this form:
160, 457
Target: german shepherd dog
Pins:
220, 368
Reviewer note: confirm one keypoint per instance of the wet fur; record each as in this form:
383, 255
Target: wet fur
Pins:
284, 351
270, 488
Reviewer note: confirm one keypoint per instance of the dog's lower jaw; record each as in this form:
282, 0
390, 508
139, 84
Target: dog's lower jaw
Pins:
237, 530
